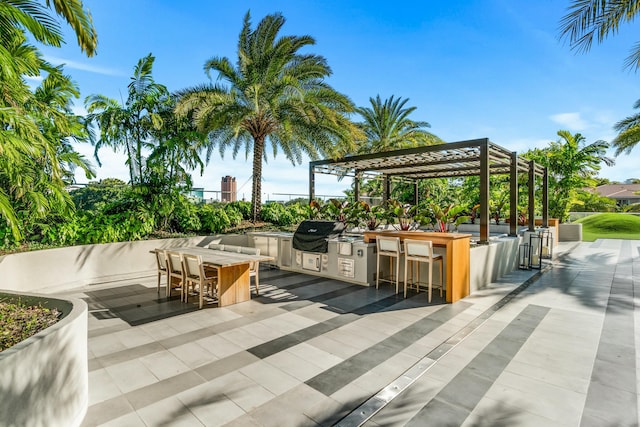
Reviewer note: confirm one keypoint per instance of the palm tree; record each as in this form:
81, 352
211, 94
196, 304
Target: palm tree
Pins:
628, 133
36, 19
129, 126
273, 94
387, 126
587, 19
34, 153
573, 165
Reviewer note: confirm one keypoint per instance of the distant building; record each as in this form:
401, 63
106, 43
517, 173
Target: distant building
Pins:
623, 194
197, 194
228, 189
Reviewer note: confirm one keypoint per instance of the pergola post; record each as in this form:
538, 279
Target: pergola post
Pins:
386, 188
416, 195
312, 182
484, 193
532, 194
513, 195
545, 198
356, 186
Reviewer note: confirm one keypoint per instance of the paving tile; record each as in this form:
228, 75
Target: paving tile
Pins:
577, 380
162, 389
242, 390
105, 411
293, 365
164, 364
408, 403
169, 411
538, 397
288, 409
327, 412
219, 346
312, 354
128, 420
225, 365
262, 331
331, 346
101, 387
269, 377
105, 344
490, 413
131, 375
438, 413
209, 405
193, 354
241, 338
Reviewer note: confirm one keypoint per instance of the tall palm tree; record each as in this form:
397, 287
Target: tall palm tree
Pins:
129, 126
628, 133
272, 95
387, 126
587, 19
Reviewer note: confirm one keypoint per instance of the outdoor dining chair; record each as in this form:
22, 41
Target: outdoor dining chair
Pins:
175, 279
254, 266
161, 262
195, 274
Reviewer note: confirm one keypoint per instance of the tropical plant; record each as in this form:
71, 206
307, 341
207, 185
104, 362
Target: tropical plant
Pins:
361, 214
572, 165
37, 160
587, 19
273, 94
387, 126
591, 201
628, 133
129, 126
36, 19
448, 216
335, 210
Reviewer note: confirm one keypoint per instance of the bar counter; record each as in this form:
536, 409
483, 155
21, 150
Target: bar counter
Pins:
457, 247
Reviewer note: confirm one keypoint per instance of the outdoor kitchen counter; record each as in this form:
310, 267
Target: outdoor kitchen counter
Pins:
457, 247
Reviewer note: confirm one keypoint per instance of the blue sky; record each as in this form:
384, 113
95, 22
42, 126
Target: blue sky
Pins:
473, 69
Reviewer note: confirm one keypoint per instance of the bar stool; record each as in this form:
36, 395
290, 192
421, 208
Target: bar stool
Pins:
389, 247
421, 251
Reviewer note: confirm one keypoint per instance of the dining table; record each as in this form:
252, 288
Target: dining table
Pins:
233, 271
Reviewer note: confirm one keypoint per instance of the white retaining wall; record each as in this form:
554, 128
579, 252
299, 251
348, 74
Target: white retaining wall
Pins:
53, 270
44, 379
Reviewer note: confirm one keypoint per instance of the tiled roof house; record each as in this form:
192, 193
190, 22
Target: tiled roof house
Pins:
623, 194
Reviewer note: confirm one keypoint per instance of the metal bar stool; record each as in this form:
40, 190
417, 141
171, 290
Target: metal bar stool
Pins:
391, 248
421, 251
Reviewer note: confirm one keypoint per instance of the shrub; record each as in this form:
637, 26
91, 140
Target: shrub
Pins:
277, 214
234, 215
213, 220
243, 207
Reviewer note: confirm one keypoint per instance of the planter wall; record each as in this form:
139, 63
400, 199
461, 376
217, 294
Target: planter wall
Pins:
55, 270
570, 232
490, 262
44, 379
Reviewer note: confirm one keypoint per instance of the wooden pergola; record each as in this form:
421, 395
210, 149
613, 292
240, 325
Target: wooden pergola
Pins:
478, 157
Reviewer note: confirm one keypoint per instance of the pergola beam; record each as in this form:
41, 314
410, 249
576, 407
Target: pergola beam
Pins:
478, 157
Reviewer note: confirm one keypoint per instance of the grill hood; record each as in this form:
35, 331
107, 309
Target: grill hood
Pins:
312, 236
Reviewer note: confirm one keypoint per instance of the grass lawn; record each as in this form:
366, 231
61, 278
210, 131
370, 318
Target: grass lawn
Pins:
610, 226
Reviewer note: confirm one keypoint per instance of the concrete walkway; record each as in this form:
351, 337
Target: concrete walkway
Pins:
551, 348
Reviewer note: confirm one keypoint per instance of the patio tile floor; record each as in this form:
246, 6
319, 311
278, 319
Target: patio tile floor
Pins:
556, 347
